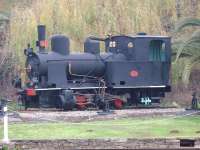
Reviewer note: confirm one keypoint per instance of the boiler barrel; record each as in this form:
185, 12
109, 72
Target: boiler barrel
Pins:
86, 65
77, 64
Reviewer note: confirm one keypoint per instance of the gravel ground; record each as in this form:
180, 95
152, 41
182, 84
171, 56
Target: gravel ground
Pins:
78, 116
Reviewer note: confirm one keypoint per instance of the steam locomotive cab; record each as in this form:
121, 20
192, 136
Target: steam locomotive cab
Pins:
133, 70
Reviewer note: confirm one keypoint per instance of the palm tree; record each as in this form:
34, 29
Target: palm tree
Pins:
189, 48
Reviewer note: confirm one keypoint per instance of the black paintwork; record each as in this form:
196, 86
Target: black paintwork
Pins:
138, 65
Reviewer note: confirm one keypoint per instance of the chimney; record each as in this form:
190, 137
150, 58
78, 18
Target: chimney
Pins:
42, 42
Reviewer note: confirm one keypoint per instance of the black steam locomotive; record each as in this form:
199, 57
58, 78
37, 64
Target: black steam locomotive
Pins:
133, 70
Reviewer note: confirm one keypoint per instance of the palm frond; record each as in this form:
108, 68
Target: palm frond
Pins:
189, 64
186, 71
189, 46
196, 34
192, 48
186, 22
184, 54
195, 38
176, 46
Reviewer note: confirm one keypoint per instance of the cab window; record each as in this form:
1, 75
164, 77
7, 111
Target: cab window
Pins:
157, 50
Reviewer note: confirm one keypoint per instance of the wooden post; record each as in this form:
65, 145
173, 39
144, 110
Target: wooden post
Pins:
5, 127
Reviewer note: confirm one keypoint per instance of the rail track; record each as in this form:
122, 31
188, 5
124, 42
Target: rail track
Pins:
91, 115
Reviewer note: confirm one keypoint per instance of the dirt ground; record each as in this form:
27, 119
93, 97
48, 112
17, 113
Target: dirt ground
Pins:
78, 116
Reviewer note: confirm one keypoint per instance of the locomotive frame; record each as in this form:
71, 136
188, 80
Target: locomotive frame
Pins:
133, 70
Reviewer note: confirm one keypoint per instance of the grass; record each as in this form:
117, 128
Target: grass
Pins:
123, 128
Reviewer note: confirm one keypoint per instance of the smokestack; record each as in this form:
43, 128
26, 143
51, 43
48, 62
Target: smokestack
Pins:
42, 42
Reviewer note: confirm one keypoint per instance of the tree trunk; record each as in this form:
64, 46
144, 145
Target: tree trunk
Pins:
193, 7
178, 8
